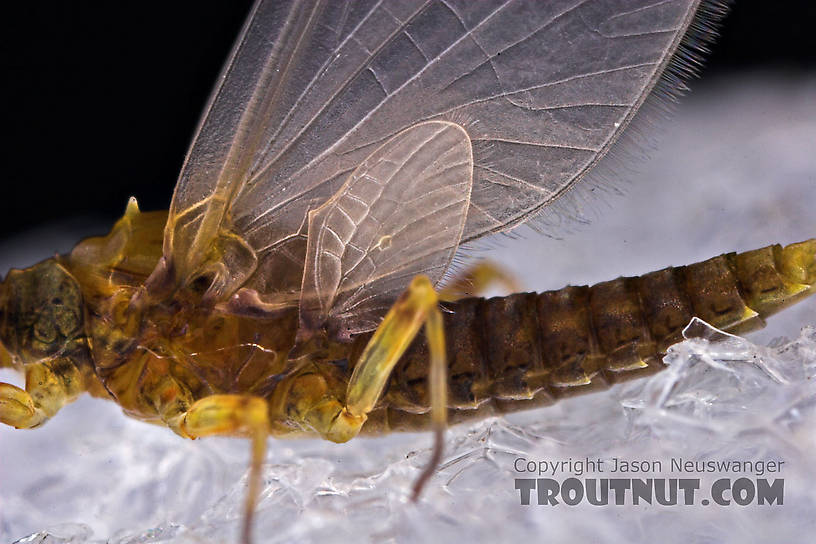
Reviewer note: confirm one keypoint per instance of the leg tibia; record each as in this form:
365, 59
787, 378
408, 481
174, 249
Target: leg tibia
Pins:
240, 415
417, 306
392, 338
435, 331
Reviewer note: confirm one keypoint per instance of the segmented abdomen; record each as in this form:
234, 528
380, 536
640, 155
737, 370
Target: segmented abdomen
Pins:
525, 350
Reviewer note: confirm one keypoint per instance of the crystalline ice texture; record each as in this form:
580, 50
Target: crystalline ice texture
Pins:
722, 398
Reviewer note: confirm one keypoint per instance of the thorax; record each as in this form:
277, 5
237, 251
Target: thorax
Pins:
133, 347
205, 351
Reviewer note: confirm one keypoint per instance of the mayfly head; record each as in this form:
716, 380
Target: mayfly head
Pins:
41, 315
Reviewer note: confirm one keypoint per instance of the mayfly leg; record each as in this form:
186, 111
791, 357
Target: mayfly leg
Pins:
418, 305
435, 332
49, 386
476, 280
234, 414
225, 415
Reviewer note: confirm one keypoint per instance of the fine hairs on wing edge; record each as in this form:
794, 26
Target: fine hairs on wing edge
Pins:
584, 200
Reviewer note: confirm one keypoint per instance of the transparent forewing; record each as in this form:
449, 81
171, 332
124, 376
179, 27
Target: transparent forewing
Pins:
401, 213
312, 89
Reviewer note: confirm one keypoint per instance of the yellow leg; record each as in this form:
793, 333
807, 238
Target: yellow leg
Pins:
236, 415
435, 331
417, 306
49, 387
476, 279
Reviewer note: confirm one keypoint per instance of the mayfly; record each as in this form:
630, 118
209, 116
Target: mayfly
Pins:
347, 151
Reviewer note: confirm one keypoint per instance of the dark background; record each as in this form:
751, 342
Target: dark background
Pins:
101, 98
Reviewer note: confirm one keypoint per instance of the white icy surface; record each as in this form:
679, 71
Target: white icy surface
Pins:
735, 170
120, 481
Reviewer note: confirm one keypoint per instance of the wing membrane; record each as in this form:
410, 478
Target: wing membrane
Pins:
313, 88
401, 213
